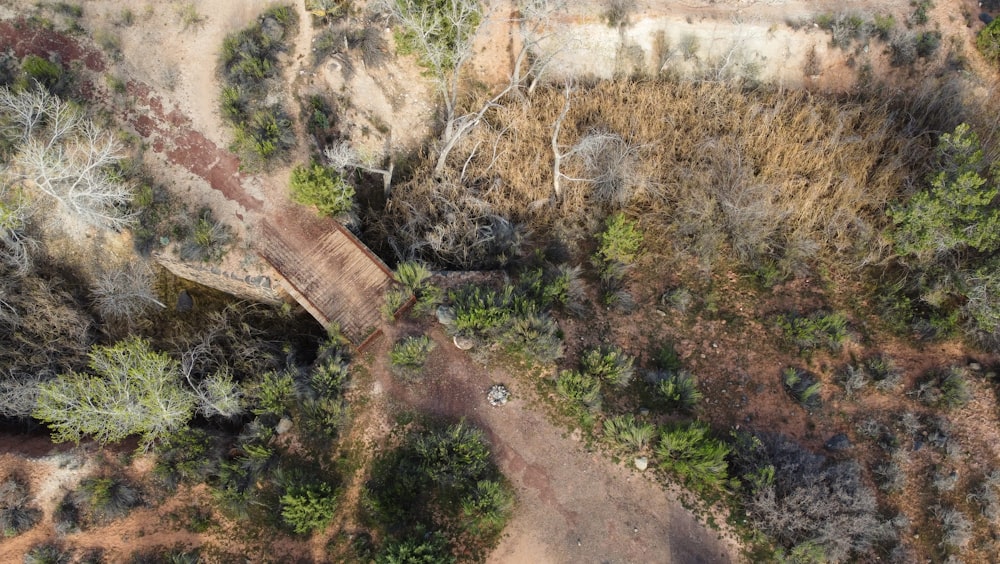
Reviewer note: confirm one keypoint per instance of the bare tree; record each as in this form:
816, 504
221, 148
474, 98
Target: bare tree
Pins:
217, 394
67, 157
342, 157
125, 293
15, 244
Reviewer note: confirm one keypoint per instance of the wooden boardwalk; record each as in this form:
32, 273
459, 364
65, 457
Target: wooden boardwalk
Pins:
332, 274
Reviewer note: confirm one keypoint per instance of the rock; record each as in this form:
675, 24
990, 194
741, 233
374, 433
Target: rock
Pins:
284, 426
184, 301
643, 411
576, 435
985, 18
975, 366
463, 343
445, 315
838, 442
641, 462
498, 395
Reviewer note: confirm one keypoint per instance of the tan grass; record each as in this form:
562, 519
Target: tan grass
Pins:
773, 174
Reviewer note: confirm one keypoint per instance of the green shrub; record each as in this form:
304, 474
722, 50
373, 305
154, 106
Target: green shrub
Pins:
415, 278
431, 549
534, 338
106, 499
308, 508
206, 240
409, 355
620, 240
608, 364
678, 388
274, 394
322, 187
819, 329
944, 388
16, 513
625, 432
577, 386
42, 71
187, 456
802, 386
988, 41
48, 553
690, 452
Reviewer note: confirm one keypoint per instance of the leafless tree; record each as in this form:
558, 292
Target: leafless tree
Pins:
67, 157
125, 293
18, 393
15, 244
217, 394
343, 157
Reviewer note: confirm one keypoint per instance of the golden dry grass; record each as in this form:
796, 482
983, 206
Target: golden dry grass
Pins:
770, 174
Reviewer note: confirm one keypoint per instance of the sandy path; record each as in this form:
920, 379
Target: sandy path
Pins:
573, 506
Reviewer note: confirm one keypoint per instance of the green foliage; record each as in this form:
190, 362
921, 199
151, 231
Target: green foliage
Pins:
944, 388
802, 386
679, 388
308, 508
433, 549
48, 553
988, 41
42, 71
409, 355
317, 185
479, 309
690, 452
625, 432
819, 329
438, 481
274, 394
188, 456
16, 513
106, 499
581, 387
620, 240
132, 390
956, 212
415, 278
437, 31
608, 364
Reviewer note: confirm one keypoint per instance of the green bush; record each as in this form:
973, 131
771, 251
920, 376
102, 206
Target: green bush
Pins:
577, 386
16, 513
106, 499
819, 329
274, 394
308, 508
409, 355
802, 386
944, 388
690, 452
438, 482
48, 553
620, 240
322, 187
44, 72
187, 456
625, 432
432, 549
609, 364
988, 41
678, 387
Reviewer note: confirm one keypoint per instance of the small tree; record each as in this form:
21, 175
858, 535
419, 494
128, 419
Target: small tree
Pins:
957, 211
988, 41
320, 186
308, 508
130, 390
125, 293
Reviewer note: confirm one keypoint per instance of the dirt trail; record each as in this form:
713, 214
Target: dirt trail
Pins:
573, 505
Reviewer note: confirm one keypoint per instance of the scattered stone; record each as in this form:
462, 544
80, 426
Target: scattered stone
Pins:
284, 426
576, 435
184, 301
498, 395
975, 366
445, 315
641, 463
660, 312
463, 343
643, 411
838, 442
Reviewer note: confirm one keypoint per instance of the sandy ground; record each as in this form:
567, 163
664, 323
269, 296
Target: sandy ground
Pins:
574, 505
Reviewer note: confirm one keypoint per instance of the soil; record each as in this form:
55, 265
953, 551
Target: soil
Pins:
574, 504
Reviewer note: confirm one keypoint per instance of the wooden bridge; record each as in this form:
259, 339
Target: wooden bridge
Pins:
328, 271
